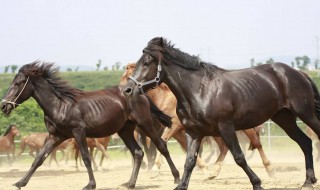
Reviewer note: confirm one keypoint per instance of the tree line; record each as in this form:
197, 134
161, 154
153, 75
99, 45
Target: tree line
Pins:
299, 62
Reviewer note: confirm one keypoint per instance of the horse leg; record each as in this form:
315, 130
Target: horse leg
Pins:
175, 132
180, 136
126, 134
223, 152
95, 166
80, 137
229, 136
50, 144
287, 121
161, 146
256, 143
193, 144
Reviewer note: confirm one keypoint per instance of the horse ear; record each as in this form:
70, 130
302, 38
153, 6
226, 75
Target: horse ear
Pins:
161, 42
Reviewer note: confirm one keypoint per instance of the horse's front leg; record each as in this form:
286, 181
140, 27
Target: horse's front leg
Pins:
193, 145
80, 137
51, 143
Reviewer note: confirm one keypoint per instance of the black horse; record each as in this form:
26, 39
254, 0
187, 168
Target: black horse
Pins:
215, 101
70, 112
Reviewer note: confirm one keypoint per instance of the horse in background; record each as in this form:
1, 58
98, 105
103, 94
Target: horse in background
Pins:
35, 142
166, 101
101, 144
314, 137
7, 144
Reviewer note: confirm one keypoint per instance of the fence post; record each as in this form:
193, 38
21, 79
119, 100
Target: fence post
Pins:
269, 136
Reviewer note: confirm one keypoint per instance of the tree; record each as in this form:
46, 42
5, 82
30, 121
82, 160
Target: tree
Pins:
69, 69
305, 62
106, 68
117, 65
292, 64
6, 69
76, 69
316, 63
298, 62
270, 61
98, 64
252, 62
14, 68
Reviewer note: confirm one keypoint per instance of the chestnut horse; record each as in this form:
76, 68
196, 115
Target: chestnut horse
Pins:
35, 141
72, 113
166, 101
100, 143
215, 101
7, 144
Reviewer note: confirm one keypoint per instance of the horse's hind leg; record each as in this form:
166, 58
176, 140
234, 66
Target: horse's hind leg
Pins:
50, 144
229, 136
287, 121
256, 143
223, 152
126, 134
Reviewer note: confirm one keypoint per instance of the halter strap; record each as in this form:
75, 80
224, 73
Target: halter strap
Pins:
155, 80
14, 102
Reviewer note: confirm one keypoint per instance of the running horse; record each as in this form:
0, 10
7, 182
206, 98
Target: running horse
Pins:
215, 101
72, 113
166, 101
7, 144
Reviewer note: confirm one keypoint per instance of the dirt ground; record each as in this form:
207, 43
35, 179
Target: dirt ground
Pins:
290, 175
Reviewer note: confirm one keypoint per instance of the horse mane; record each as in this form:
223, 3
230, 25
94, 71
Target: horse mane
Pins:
8, 129
50, 73
162, 49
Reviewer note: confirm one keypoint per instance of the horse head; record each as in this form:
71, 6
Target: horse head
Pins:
129, 70
147, 73
19, 91
13, 130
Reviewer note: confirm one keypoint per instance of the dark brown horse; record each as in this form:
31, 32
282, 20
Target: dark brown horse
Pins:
7, 144
72, 113
214, 101
166, 101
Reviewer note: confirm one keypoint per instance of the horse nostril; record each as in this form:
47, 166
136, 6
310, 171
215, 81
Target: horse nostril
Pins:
128, 90
3, 107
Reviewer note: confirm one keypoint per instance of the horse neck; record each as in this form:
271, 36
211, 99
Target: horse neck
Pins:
47, 99
175, 76
9, 137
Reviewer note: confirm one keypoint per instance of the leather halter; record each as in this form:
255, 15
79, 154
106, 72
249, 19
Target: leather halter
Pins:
155, 80
14, 104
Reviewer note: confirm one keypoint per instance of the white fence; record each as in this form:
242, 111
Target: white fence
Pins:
268, 135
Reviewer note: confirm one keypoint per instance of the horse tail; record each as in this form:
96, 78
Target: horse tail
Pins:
316, 96
164, 119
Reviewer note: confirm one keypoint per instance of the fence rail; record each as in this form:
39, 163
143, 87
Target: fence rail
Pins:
268, 125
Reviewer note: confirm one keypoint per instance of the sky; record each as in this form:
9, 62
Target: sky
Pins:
77, 33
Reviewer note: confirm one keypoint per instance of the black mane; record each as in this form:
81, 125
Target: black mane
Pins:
50, 73
8, 129
170, 54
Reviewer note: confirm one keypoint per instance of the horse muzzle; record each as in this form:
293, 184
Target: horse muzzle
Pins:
130, 90
6, 108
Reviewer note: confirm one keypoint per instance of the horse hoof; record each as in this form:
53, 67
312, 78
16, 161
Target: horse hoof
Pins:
16, 188
127, 185
271, 172
90, 187
180, 188
154, 174
307, 188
